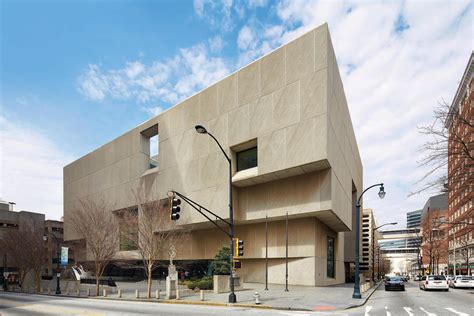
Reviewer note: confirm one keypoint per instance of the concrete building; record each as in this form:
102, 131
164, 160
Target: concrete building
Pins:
284, 121
461, 174
368, 240
414, 219
10, 221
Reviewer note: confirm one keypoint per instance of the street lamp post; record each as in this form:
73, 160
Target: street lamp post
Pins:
232, 297
356, 293
373, 246
58, 268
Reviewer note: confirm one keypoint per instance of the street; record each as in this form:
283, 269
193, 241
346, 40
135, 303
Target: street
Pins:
417, 302
412, 302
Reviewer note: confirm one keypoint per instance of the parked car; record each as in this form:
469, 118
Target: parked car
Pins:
462, 281
394, 283
434, 282
404, 278
418, 277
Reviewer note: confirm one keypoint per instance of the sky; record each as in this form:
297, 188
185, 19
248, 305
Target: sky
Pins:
77, 74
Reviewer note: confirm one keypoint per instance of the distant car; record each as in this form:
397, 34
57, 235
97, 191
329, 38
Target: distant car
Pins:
404, 278
462, 281
417, 277
434, 282
394, 283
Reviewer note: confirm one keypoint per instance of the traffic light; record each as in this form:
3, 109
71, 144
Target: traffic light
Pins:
175, 209
238, 247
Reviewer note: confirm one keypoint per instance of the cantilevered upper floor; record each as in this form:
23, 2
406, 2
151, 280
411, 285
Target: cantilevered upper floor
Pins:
283, 119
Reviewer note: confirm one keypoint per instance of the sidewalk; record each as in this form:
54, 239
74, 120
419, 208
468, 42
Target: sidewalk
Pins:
337, 297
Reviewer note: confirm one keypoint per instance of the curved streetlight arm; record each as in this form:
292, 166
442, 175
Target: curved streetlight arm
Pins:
222, 149
384, 225
375, 185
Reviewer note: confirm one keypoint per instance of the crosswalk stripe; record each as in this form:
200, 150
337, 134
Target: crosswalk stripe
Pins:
367, 310
386, 310
427, 313
408, 310
456, 312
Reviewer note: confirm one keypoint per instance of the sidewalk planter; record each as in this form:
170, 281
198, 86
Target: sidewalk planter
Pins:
221, 284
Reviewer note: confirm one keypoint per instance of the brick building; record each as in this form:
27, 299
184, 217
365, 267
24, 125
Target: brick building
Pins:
460, 173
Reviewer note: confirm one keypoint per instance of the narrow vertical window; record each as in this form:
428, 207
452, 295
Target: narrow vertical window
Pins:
152, 139
330, 258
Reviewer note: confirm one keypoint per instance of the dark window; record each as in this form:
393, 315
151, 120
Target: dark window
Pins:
330, 261
247, 159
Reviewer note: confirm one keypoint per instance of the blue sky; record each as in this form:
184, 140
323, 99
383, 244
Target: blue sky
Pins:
76, 74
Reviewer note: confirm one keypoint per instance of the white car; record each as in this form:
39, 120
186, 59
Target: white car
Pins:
462, 281
434, 282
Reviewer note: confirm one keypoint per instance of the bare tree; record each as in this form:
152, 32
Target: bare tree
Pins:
449, 139
435, 239
149, 229
97, 225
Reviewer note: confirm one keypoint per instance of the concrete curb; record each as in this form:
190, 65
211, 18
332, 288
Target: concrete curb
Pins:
367, 297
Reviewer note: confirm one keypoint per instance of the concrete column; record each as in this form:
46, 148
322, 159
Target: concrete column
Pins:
119, 293
104, 291
158, 294
137, 294
201, 292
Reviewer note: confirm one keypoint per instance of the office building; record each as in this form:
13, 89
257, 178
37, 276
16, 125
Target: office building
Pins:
461, 174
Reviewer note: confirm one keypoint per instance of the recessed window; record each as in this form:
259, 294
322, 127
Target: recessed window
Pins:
152, 140
330, 258
247, 159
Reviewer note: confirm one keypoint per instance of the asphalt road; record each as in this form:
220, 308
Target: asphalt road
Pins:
414, 302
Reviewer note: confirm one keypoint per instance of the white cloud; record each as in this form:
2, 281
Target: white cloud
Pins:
153, 111
257, 3
217, 13
188, 71
392, 80
216, 44
246, 37
31, 168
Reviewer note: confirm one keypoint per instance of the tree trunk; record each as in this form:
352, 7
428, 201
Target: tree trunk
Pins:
97, 278
149, 284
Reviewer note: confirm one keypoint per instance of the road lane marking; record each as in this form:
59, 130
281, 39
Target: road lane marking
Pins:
367, 310
408, 310
386, 310
427, 313
452, 310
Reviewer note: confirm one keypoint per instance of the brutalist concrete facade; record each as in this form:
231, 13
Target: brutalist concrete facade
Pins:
290, 104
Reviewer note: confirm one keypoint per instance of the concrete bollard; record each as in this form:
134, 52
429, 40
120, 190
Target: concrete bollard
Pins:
137, 294
88, 292
78, 293
49, 290
67, 291
256, 296
41, 290
201, 292
177, 294
104, 291
119, 293
157, 294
